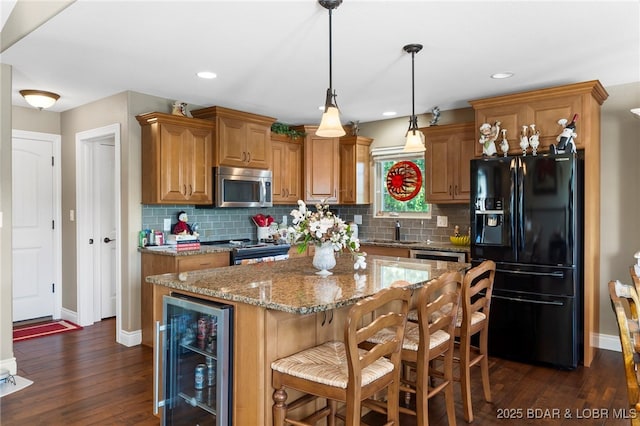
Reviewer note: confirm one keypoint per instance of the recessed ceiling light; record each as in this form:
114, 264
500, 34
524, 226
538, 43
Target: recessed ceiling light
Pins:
207, 74
500, 75
389, 113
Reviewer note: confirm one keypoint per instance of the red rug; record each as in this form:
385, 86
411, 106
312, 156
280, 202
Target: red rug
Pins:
43, 329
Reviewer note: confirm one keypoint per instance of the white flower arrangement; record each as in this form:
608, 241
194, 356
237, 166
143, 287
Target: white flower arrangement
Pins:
320, 227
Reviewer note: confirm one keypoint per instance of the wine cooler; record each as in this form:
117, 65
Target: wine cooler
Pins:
196, 345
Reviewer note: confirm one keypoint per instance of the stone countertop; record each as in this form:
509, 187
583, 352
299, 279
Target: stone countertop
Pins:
170, 250
292, 285
418, 245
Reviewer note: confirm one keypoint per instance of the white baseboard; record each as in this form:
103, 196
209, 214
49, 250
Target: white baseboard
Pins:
130, 338
10, 364
607, 341
68, 315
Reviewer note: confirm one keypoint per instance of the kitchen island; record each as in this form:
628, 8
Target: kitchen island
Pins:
283, 307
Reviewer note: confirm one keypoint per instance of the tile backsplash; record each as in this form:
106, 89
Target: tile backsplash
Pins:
230, 223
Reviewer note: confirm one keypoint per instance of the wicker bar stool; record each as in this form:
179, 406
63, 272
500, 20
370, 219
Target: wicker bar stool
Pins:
344, 372
431, 337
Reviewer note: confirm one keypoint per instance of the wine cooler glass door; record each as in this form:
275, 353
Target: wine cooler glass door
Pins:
197, 361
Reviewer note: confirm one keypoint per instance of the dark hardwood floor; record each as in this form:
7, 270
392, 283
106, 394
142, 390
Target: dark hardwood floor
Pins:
85, 378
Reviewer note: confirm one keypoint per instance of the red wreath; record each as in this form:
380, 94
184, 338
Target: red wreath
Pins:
404, 180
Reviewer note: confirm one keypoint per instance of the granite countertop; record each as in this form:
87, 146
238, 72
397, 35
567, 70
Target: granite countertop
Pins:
170, 250
418, 245
292, 285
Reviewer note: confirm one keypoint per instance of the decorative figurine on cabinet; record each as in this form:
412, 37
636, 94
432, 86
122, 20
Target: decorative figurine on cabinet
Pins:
435, 116
534, 139
565, 139
488, 136
179, 108
504, 145
524, 140
355, 129
182, 227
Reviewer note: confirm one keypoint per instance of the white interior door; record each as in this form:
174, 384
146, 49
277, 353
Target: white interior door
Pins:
105, 222
33, 228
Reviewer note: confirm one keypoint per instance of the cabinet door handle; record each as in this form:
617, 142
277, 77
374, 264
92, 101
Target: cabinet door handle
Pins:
450, 190
190, 190
244, 156
184, 189
248, 157
456, 190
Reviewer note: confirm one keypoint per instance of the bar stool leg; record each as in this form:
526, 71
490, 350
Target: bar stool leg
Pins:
279, 407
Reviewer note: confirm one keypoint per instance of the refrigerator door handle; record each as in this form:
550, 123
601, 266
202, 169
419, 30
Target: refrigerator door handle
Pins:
156, 369
515, 299
540, 274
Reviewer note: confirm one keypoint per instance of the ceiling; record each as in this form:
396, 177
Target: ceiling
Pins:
272, 57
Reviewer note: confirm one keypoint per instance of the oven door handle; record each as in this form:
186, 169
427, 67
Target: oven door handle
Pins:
539, 274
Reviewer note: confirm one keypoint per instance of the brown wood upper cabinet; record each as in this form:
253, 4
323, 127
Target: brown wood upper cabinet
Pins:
355, 170
450, 148
176, 159
321, 167
287, 169
543, 108
242, 139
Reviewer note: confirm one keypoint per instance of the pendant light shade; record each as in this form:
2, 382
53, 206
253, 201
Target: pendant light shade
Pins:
414, 138
39, 98
330, 126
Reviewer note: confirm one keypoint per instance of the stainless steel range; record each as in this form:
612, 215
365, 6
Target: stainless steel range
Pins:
245, 252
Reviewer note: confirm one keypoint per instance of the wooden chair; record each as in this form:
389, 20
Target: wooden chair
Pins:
473, 318
342, 371
622, 311
431, 337
635, 278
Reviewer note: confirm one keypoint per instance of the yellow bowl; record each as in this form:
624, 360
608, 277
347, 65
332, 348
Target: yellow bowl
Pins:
462, 240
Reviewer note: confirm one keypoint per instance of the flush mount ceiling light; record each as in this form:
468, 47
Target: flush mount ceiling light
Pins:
330, 126
636, 111
206, 75
501, 75
39, 98
415, 138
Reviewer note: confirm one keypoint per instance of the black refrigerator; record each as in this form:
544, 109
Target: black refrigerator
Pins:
526, 215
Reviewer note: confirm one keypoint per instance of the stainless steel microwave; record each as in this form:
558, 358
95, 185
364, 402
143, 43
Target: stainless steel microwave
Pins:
241, 187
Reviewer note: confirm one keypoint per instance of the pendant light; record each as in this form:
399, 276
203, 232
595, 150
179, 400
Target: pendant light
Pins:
39, 98
415, 138
330, 126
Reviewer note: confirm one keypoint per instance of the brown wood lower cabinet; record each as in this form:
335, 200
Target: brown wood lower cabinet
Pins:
156, 264
385, 251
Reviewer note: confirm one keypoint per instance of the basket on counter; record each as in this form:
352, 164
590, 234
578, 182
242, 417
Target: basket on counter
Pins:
462, 240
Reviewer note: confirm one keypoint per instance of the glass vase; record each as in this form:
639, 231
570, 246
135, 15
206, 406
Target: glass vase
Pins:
324, 259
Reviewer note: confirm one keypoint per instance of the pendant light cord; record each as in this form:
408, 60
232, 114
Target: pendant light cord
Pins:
413, 92
330, 57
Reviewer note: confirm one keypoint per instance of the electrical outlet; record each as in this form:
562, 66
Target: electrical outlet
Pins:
284, 220
442, 221
357, 219
167, 224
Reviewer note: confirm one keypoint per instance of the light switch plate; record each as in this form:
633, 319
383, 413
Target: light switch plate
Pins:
284, 220
357, 219
167, 224
442, 221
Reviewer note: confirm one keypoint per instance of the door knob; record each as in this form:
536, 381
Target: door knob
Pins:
108, 240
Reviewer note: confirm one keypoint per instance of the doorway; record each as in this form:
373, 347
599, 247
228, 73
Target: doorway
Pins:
98, 225
36, 225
